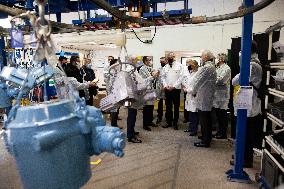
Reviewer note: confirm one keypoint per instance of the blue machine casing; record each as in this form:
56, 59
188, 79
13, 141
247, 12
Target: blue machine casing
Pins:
52, 143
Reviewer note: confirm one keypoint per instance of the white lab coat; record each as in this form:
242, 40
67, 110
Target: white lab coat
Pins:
62, 88
190, 102
172, 76
255, 79
204, 84
222, 93
146, 73
159, 85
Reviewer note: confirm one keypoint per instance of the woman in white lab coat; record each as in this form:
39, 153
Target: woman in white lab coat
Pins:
190, 103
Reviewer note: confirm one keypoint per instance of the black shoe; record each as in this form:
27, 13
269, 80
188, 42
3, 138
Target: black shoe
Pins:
175, 126
192, 134
187, 131
158, 121
134, 140
201, 144
153, 125
246, 164
147, 128
136, 133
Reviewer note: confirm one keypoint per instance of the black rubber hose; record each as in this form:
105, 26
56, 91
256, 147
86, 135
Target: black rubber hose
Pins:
242, 12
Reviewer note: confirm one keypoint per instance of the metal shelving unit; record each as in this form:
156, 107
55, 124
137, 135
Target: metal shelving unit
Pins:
272, 151
275, 120
270, 146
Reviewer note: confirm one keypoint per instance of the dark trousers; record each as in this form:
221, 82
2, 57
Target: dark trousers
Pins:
172, 98
92, 92
185, 112
222, 119
113, 118
148, 115
160, 109
254, 136
206, 126
193, 121
131, 120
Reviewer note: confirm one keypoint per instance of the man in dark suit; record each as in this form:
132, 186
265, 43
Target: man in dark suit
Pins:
89, 75
72, 70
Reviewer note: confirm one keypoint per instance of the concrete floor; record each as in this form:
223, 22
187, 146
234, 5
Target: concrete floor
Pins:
165, 159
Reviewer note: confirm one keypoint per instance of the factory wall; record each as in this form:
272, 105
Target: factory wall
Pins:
214, 36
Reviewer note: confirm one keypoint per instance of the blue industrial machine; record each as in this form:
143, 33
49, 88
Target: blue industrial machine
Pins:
6, 94
16, 77
52, 143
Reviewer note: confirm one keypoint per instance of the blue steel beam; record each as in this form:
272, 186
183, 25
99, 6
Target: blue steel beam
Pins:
237, 174
93, 20
170, 13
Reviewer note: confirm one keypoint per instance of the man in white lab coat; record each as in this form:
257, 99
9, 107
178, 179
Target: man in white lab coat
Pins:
171, 80
147, 72
222, 95
204, 88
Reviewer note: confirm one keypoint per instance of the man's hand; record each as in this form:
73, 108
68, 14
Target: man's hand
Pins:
95, 81
92, 84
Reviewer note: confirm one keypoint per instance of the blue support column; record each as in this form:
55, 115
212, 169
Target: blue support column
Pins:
58, 17
155, 7
186, 4
88, 14
3, 61
237, 174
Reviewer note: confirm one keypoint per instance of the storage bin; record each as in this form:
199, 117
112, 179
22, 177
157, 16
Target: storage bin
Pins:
279, 85
277, 109
273, 176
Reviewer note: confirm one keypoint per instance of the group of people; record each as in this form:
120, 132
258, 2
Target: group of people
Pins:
81, 77
207, 88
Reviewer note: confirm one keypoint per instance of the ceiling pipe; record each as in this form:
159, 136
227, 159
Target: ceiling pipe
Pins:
194, 20
243, 11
